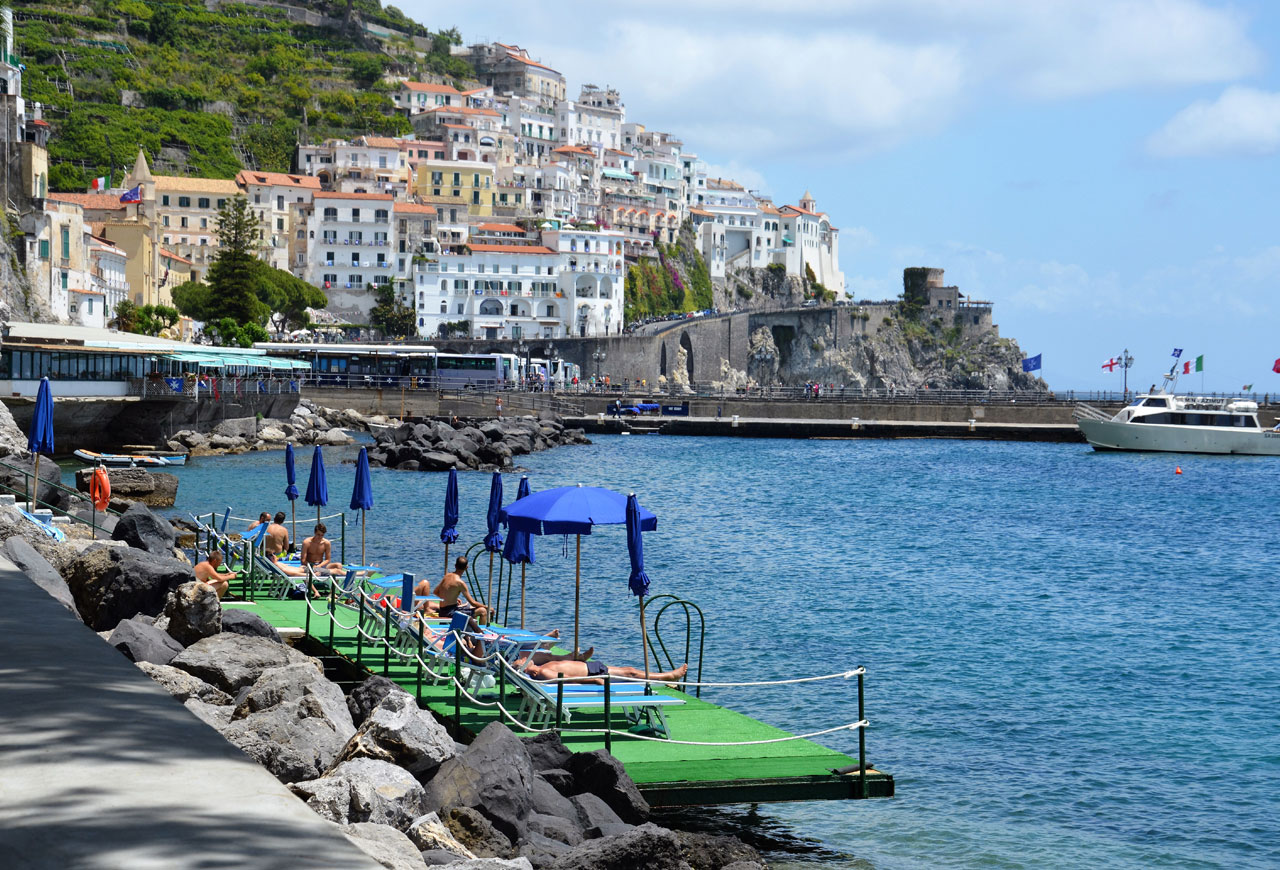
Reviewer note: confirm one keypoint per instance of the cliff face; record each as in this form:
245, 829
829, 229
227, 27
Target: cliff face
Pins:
899, 355
17, 301
759, 290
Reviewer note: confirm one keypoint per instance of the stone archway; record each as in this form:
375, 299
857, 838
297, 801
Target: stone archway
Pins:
686, 344
662, 360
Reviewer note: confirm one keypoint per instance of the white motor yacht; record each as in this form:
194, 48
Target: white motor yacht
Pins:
1170, 423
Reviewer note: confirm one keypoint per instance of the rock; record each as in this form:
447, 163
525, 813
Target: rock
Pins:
561, 780
712, 852
335, 437
144, 643
595, 817
114, 583
386, 845
106, 522
477, 833
491, 864
239, 428
183, 686
601, 774
437, 857
192, 439
555, 828
272, 433
40, 572
400, 732
547, 800
367, 695
213, 715
546, 751
232, 661
364, 790
246, 623
226, 442
493, 776
15, 481
541, 851
13, 441
296, 682
296, 740
152, 488
436, 460
428, 833
194, 613
474, 435
141, 528
647, 846
409, 465
496, 453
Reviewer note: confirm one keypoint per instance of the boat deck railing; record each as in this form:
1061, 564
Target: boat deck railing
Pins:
1086, 411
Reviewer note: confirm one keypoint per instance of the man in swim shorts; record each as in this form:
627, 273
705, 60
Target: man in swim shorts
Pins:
277, 539
316, 551
592, 672
452, 588
207, 572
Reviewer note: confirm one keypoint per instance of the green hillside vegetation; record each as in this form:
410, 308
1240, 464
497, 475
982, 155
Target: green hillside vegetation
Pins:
679, 281
276, 81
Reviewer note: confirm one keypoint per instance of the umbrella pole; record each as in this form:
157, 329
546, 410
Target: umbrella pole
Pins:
446, 557
34, 496
293, 509
577, 593
363, 514
489, 598
523, 566
644, 640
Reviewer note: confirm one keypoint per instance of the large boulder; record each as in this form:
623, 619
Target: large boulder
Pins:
595, 817
390, 848
547, 751
364, 790
272, 433
554, 827
712, 852
114, 583
428, 833
19, 477
367, 695
13, 441
183, 686
141, 528
249, 624
40, 571
334, 437
549, 801
436, 460
601, 774
399, 731
295, 682
296, 740
143, 642
233, 661
647, 846
193, 612
541, 851
152, 488
238, 427
477, 833
493, 776
490, 864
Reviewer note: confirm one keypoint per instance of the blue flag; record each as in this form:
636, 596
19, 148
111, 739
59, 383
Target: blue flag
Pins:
133, 194
1031, 363
1177, 352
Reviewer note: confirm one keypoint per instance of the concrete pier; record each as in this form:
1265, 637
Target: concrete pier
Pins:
101, 768
770, 427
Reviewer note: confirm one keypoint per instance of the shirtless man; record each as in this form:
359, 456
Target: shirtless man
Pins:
263, 517
207, 572
450, 589
277, 540
317, 551
591, 672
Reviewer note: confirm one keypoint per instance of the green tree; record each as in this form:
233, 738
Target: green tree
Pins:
152, 319
288, 297
390, 315
126, 319
233, 275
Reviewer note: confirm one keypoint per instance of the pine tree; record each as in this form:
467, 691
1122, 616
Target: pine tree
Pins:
233, 273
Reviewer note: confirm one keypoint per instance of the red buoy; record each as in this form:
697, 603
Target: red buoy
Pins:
1177, 469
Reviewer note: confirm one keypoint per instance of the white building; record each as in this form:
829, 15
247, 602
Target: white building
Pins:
350, 249
594, 120
366, 164
809, 239
275, 198
413, 98
96, 303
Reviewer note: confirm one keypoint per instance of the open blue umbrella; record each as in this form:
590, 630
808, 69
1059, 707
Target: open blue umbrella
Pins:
40, 437
317, 483
493, 540
574, 510
638, 580
519, 547
362, 494
449, 532
291, 491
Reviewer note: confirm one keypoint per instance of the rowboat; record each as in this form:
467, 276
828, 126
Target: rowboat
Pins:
126, 460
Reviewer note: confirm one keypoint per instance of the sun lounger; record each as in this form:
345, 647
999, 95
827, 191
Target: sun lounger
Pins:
540, 701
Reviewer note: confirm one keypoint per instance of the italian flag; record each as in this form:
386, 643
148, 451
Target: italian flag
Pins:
1198, 366
101, 183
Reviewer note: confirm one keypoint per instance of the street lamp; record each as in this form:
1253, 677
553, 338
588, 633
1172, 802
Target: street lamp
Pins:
521, 351
1126, 363
599, 357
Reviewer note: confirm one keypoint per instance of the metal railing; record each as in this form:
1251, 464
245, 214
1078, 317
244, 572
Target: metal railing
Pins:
32, 497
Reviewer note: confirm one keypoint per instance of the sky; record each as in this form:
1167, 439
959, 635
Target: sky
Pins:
1104, 171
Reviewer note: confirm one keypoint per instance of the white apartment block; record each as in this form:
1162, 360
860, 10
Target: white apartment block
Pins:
350, 249
414, 98
108, 285
367, 164
276, 198
594, 120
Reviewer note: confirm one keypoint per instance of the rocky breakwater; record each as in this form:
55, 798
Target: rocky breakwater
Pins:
309, 424
373, 762
488, 445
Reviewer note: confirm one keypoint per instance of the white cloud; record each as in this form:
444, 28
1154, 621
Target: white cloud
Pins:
1241, 121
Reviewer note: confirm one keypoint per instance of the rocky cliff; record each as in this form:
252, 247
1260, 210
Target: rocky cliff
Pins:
17, 301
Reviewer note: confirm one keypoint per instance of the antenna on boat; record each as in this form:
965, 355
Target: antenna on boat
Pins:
1170, 384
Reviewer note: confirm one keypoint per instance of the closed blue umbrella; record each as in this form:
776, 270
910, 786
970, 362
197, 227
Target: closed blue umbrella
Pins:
291, 491
493, 540
449, 532
519, 547
40, 437
362, 494
638, 579
317, 483
574, 510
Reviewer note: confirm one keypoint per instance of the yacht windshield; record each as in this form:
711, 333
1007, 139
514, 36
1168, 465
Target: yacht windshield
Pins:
1156, 403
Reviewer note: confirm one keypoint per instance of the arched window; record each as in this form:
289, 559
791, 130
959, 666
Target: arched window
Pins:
444, 286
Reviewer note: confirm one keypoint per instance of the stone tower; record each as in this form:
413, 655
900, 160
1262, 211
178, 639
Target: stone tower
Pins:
807, 202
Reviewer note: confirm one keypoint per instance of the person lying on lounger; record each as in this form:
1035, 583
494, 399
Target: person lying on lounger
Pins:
592, 672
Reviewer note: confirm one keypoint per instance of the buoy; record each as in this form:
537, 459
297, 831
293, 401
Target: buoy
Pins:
1177, 469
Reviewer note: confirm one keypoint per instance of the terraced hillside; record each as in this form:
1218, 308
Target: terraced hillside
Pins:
207, 91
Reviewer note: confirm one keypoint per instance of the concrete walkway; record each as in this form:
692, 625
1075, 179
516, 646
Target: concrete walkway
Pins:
101, 768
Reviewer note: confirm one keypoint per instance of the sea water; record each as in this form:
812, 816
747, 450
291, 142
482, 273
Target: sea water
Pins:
1071, 656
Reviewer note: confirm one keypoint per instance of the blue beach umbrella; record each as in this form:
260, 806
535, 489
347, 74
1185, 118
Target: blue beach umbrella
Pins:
574, 510
317, 483
291, 491
493, 540
40, 437
638, 580
519, 547
362, 494
449, 532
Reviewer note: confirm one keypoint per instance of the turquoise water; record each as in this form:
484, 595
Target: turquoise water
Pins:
1072, 656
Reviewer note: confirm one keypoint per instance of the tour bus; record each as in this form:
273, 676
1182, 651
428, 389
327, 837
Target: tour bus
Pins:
410, 366
478, 371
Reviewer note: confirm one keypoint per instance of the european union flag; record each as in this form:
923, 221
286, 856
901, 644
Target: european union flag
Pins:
1177, 352
133, 194
1032, 363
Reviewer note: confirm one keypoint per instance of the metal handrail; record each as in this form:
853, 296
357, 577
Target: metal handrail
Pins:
35, 496
688, 634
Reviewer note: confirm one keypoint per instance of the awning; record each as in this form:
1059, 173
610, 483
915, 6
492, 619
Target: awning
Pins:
610, 172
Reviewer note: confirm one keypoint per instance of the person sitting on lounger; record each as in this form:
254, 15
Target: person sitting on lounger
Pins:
263, 517
592, 672
449, 590
317, 551
277, 540
207, 572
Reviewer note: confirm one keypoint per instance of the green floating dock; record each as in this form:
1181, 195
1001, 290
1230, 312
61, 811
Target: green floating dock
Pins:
669, 774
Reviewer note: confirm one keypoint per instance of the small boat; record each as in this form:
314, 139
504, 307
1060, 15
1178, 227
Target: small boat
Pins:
1169, 423
376, 429
124, 460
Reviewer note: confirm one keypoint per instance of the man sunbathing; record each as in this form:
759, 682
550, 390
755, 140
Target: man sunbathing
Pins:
207, 572
591, 672
263, 517
449, 590
317, 551
277, 539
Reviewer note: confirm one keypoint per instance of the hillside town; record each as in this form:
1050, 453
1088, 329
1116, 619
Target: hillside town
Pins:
514, 209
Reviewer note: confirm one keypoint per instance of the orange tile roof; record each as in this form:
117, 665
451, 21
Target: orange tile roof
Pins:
429, 88
509, 249
196, 185
703, 212
379, 142
768, 209
797, 208
573, 149
90, 200
462, 110
500, 228
724, 184
526, 60
87, 292
413, 208
459, 126
475, 90
283, 179
334, 194
172, 256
